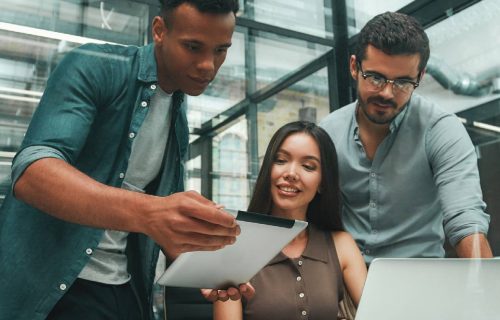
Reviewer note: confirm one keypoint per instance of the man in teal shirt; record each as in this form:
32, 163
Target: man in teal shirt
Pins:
408, 169
98, 181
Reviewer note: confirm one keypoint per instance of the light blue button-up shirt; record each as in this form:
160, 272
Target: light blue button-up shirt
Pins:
422, 184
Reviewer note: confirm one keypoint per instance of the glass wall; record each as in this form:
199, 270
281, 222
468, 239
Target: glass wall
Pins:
305, 100
230, 167
35, 35
115, 21
278, 56
311, 17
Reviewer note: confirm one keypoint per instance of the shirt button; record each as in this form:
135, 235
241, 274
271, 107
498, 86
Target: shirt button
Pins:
367, 251
301, 295
304, 312
373, 204
144, 104
299, 278
373, 174
131, 135
62, 286
153, 87
300, 262
122, 175
88, 251
374, 231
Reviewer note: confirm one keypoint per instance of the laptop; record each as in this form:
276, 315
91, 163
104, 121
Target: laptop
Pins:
431, 289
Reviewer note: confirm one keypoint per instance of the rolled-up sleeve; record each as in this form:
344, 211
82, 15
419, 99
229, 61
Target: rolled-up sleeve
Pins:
29, 155
454, 164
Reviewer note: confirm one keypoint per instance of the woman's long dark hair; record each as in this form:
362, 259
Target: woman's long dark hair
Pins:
324, 210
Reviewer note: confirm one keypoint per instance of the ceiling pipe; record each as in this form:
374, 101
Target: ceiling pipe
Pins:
457, 81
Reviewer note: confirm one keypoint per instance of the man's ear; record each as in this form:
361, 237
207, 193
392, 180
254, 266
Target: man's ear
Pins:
158, 29
353, 67
422, 75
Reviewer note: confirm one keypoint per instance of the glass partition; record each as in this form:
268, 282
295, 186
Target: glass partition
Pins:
35, 35
193, 176
115, 21
278, 56
306, 100
311, 17
230, 167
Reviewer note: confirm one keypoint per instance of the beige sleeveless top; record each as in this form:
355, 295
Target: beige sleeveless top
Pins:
308, 287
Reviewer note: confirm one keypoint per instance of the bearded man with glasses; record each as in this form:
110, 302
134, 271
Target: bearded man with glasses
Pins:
408, 170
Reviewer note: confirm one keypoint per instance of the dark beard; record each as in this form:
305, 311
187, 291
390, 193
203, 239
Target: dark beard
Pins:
376, 99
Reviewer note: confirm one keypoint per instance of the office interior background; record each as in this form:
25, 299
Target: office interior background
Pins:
289, 61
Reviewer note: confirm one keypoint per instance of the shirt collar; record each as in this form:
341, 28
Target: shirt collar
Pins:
315, 248
354, 122
147, 64
148, 70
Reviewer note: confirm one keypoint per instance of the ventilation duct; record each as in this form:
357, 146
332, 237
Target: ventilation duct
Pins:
456, 81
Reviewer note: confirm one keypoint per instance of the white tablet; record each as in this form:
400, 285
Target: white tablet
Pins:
262, 238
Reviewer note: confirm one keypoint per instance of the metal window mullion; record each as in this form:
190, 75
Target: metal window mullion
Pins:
251, 110
206, 168
339, 79
264, 27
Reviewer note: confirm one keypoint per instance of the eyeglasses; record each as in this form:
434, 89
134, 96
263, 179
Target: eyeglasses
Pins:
378, 82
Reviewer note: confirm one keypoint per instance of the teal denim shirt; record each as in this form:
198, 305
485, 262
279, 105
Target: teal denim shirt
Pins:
95, 98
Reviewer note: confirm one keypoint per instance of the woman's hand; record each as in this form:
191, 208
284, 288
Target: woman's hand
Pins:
245, 290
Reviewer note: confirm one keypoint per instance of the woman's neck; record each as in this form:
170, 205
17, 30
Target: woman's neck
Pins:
297, 246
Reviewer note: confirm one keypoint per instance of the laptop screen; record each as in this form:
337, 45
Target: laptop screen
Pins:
440, 289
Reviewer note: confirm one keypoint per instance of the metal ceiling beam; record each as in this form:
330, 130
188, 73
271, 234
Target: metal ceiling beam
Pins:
259, 26
430, 12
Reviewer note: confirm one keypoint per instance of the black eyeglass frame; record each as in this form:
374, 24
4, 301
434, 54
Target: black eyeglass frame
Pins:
365, 75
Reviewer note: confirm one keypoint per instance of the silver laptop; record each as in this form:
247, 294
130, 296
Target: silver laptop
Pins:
431, 289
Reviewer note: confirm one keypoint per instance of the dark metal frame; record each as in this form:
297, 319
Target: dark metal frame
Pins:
251, 112
430, 12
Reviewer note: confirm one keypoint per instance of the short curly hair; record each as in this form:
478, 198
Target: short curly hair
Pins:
394, 33
209, 6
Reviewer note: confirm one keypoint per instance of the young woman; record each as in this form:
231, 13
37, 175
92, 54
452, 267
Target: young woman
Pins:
299, 180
